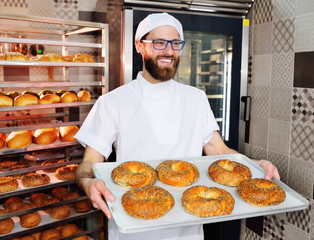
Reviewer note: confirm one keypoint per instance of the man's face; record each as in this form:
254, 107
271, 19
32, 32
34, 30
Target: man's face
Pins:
161, 64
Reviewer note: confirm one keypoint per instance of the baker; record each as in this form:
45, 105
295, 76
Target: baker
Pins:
153, 117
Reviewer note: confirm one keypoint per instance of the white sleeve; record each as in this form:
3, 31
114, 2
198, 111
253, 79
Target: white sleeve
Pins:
99, 129
209, 121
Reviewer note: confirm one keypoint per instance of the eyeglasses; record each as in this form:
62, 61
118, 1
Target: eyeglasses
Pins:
161, 44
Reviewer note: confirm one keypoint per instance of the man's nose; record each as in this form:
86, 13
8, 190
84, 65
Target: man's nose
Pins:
168, 50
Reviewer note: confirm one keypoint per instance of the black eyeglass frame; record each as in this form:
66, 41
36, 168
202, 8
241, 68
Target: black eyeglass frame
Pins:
181, 43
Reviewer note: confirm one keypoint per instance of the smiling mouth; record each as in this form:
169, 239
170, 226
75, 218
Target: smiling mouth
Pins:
165, 61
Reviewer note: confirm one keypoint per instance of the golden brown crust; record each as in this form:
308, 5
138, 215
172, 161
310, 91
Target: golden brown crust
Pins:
148, 202
134, 174
8, 163
35, 179
31, 219
59, 193
82, 57
25, 99
79, 206
52, 161
6, 101
13, 204
177, 173
6, 225
50, 234
18, 167
83, 96
203, 201
3, 137
45, 136
38, 199
49, 99
68, 97
68, 230
14, 56
19, 139
8, 184
228, 172
67, 58
66, 172
67, 133
59, 212
54, 57
261, 192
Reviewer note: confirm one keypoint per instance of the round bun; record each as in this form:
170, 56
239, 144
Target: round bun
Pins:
35, 179
59, 212
13, 204
49, 99
19, 139
69, 230
82, 57
68, 97
14, 56
29, 220
8, 184
59, 193
45, 136
50, 234
83, 96
25, 99
67, 133
6, 225
52, 161
261, 192
6, 101
79, 206
54, 57
134, 174
66, 172
203, 201
228, 172
177, 173
38, 199
3, 137
148, 202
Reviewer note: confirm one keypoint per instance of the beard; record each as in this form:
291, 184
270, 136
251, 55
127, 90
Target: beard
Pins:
161, 73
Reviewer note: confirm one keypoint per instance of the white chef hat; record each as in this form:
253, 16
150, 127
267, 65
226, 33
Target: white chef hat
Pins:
155, 20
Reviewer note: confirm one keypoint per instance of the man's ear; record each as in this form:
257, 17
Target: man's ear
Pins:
138, 46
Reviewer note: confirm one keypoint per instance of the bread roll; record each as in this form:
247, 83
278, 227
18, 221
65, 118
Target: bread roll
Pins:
59, 212
67, 58
45, 136
35, 179
13, 94
31, 219
49, 99
59, 193
83, 96
25, 99
50, 234
19, 139
82, 57
6, 225
79, 206
30, 92
67, 133
14, 56
68, 97
42, 58
6, 101
13, 204
54, 57
38, 199
68, 230
3, 137
66, 172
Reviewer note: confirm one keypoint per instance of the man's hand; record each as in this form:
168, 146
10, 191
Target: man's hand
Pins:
271, 170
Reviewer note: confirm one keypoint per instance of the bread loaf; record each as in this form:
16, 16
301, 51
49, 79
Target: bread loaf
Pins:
45, 136
68, 97
67, 133
14, 56
83, 96
5, 101
49, 99
82, 57
19, 139
25, 99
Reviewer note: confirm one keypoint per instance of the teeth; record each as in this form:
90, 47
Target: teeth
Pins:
166, 60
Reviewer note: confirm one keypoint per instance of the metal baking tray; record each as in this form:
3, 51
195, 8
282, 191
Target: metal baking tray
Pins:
177, 216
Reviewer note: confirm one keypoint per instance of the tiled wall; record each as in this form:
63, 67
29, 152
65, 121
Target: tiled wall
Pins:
282, 125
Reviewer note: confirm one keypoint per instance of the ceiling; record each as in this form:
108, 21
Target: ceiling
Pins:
234, 8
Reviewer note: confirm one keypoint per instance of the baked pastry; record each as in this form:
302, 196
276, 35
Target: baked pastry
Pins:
25, 99
36, 235
83, 96
67, 58
6, 225
83, 237
44, 92
177, 173
19, 139
59, 193
66, 172
2, 56
83, 57
67, 133
35, 179
54, 57
3, 137
49, 99
8, 163
69, 230
13, 94
50, 234
147, 202
29, 220
228, 172
8, 184
6, 101
52, 161
31, 93
134, 174
59, 212
45, 136
18, 167
261, 192
79, 206
13, 204
68, 97
61, 92
14, 56
203, 201
38, 199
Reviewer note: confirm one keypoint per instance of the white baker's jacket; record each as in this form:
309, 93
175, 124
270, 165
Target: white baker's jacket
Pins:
146, 122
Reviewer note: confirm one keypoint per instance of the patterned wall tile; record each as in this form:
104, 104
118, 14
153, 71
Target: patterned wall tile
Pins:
262, 70
280, 103
260, 101
300, 177
302, 142
249, 235
312, 219
303, 106
283, 36
256, 152
292, 233
87, 5
279, 132
281, 162
282, 70
14, 3
273, 228
263, 11
262, 38
1, 74
283, 9
38, 74
304, 33
259, 132
300, 219
304, 7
